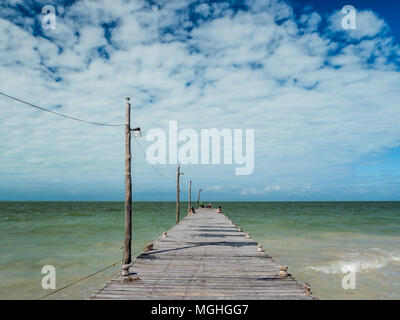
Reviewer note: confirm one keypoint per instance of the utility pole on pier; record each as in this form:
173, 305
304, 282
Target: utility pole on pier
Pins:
128, 189
198, 199
190, 197
178, 174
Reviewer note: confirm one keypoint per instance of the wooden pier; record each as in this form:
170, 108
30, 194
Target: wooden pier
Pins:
205, 256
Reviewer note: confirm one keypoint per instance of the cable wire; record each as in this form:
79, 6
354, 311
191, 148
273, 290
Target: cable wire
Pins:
155, 169
60, 114
94, 123
88, 276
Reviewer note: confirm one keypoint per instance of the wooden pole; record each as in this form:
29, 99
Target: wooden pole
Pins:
128, 191
198, 199
190, 197
177, 193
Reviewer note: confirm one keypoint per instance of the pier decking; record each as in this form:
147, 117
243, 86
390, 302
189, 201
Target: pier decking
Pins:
205, 256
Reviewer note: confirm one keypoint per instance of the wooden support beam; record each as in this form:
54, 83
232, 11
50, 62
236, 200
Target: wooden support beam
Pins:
190, 197
128, 191
177, 193
198, 199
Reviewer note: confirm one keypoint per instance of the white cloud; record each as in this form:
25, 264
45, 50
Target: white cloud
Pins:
215, 188
203, 9
311, 21
272, 188
317, 105
368, 24
251, 191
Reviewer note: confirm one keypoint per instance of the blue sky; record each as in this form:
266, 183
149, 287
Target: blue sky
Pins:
323, 101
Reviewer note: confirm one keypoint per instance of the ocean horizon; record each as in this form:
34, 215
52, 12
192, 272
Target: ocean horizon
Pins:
212, 201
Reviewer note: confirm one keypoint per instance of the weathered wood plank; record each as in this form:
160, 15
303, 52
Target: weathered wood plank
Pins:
205, 256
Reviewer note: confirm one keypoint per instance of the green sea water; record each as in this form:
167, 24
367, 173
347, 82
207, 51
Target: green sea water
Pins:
317, 240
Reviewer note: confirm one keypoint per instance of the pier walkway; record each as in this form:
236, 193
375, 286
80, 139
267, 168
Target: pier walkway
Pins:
205, 256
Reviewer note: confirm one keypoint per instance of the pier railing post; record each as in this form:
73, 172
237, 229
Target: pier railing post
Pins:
128, 191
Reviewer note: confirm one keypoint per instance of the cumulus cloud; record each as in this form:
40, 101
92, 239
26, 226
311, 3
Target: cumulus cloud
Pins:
368, 24
319, 100
311, 21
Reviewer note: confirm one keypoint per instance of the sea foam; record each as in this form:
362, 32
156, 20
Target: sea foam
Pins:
359, 261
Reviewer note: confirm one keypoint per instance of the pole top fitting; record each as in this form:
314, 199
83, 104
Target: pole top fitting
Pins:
128, 100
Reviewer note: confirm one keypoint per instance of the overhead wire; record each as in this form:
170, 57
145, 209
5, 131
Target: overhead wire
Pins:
58, 113
81, 120
153, 166
86, 277
93, 123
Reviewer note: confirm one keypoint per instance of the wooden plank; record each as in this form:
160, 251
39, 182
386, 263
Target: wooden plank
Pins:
204, 256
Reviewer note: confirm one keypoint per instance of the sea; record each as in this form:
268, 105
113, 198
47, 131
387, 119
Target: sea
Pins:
343, 250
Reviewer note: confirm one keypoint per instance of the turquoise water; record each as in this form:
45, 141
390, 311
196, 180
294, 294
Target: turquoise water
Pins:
320, 240
77, 238
317, 240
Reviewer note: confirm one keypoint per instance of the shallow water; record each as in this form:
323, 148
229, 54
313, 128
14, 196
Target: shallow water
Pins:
319, 241
322, 241
77, 238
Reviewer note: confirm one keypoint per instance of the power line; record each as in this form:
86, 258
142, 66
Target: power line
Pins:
80, 120
155, 169
86, 277
60, 114
79, 280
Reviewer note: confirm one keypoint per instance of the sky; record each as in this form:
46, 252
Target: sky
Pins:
323, 101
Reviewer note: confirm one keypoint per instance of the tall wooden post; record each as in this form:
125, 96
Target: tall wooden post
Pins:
198, 199
190, 197
177, 193
128, 191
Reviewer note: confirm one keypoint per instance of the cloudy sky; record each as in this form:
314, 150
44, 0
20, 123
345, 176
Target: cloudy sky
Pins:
323, 102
